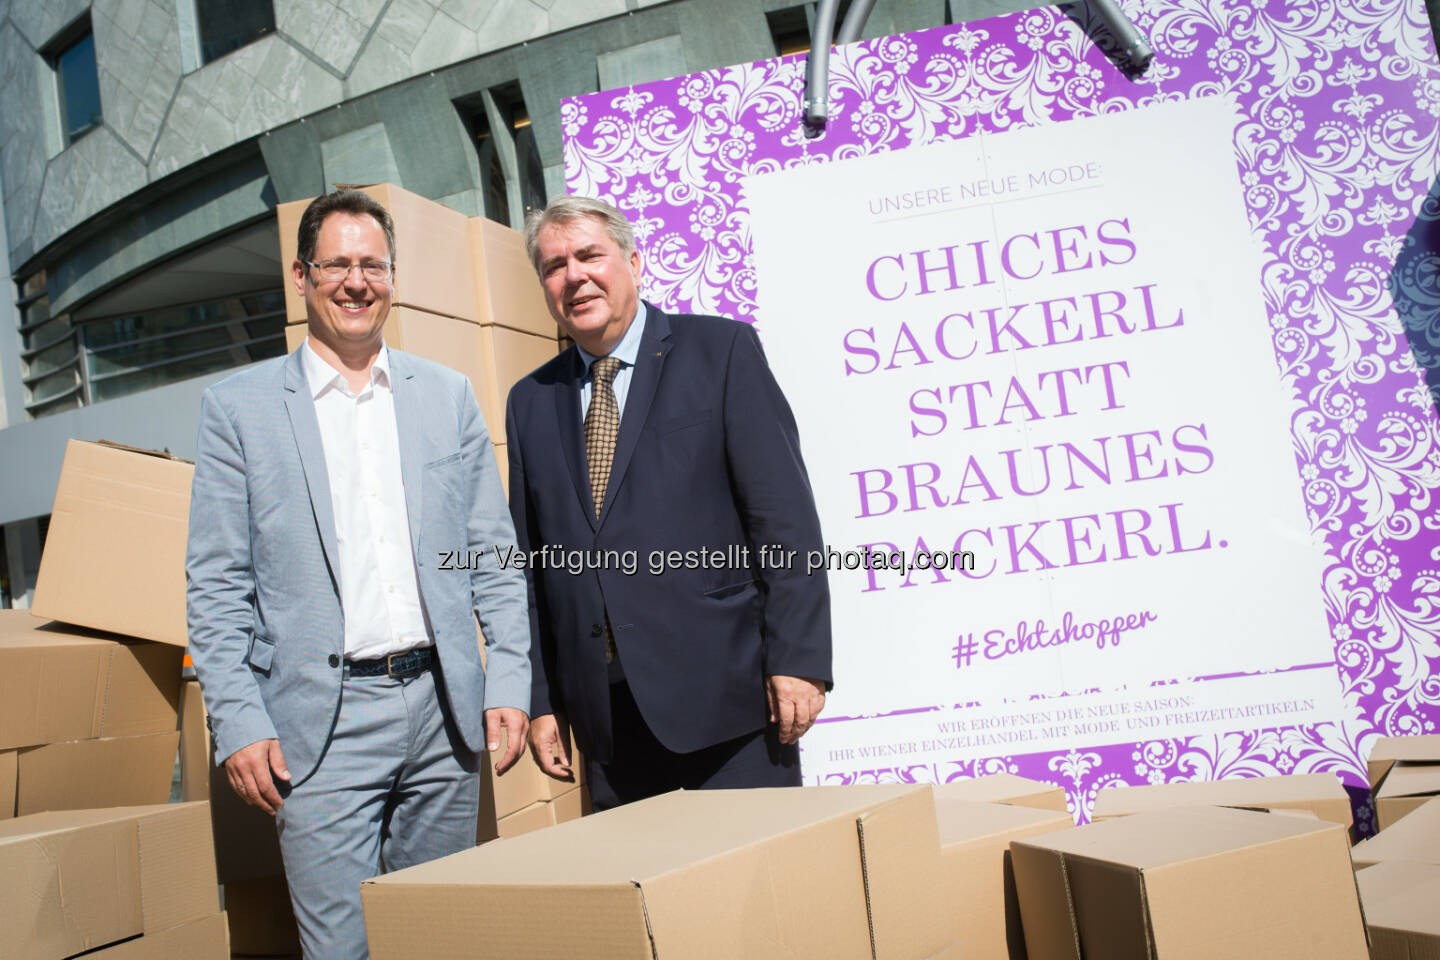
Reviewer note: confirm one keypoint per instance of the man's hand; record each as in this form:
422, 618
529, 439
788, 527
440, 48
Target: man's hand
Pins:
516, 725
249, 770
549, 736
794, 703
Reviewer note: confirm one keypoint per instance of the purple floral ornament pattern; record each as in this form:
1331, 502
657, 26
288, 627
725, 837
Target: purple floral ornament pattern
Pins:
1337, 152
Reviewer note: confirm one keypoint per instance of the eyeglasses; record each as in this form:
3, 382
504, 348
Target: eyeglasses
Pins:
336, 270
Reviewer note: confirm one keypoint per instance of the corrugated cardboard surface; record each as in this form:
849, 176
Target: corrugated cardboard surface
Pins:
1415, 836
114, 556
974, 839
205, 939
525, 783
507, 289
1388, 750
433, 268
1201, 882
710, 874
1402, 909
262, 920
59, 682
7, 784
536, 816
194, 744
108, 772
1004, 788
1320, 793
1404, 788
80, 879
506, 357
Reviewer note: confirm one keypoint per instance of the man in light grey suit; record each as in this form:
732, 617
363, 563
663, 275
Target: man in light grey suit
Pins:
335, 648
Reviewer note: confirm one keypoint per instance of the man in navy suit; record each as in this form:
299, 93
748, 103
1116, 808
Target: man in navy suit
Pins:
657, 482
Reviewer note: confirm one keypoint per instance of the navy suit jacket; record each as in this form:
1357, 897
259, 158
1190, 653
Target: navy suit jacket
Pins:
708, 459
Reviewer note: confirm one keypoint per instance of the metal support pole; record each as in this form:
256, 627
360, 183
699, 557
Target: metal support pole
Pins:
817, 65
854, 22
1132, 43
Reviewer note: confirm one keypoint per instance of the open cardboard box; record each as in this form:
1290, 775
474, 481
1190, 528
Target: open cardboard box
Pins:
974, 850
1400, 899
1404, 773
1193, 883
827, 873
1004, 788
1414, 837
1319, 793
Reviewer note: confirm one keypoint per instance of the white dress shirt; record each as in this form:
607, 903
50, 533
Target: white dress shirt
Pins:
379, 589
626, 351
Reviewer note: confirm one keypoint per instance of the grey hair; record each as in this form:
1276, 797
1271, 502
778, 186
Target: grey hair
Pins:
562, 210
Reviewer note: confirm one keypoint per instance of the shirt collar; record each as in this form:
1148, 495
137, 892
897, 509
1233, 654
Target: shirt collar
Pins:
628, 349
320, 376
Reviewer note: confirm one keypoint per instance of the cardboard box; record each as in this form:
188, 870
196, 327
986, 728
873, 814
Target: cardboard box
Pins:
194, 744
262, 920
1389, 751
823, 872
506, 357
107, 772
974, 841
7, 783
507, 289
114, 556
206, 939
433, 264
1400, 909
1320, 793
1414, 837
571, 805
67, 683
1404, 773
1005, 788
82, 879
525, 784
1193, 882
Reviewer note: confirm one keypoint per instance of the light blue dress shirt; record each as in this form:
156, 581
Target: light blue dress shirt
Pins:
626, 352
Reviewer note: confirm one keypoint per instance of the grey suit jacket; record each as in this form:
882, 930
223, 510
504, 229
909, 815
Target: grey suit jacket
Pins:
265, 621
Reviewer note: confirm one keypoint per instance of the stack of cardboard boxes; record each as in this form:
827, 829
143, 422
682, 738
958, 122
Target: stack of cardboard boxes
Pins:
526, 799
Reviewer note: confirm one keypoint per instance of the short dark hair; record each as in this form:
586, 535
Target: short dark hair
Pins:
356, 202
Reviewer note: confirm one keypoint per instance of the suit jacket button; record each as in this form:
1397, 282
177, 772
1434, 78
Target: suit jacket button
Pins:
334, 660
596, 630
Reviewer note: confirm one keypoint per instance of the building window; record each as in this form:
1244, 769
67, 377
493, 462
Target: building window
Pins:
228, 25
126, 354
77, 83
790, 29
512, 175
49, 360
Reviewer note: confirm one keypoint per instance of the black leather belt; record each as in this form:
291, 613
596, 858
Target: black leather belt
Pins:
405, 664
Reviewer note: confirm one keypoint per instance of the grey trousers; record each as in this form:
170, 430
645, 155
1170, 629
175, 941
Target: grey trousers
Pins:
395, 787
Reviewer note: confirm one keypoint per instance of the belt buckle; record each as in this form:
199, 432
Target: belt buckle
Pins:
390, 665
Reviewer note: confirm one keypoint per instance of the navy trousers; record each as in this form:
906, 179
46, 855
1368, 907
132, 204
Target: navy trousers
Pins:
642, 767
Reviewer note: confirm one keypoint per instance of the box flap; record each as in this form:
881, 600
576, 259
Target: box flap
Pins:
1042, 886
965, 821
1401, 895
1410, 779
1160, 837
1111, 915
1388, 750
1291, 896
1413, 837
904, 885
1318, 792
1005, 788
177, 866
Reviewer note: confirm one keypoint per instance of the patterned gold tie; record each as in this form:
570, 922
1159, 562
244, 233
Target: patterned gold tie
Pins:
602, 426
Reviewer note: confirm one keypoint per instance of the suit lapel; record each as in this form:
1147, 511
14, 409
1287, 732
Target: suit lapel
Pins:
408, 424
572, 437
654, 346
300, 405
